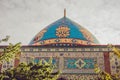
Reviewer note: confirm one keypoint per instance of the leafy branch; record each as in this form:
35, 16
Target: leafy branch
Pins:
102, 75
5, 39
31, 71
10, 52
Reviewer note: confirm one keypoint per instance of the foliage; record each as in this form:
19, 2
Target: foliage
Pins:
10, 52
102, 75
115, 50
5, 39
31, 71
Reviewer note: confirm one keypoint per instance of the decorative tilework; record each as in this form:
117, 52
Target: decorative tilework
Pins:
62, 31
63, 49
114, 64
7, 65
63, 41
87, 35
79, 76
39, 35
70, 63
79, 63
55, 61
68, 29
89, 63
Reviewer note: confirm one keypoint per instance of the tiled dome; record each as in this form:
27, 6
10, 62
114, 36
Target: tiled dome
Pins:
64, 32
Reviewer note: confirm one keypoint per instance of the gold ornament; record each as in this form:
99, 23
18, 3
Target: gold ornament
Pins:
87, 34
62, 32
40, 35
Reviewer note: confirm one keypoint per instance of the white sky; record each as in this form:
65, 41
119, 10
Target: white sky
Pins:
23, 19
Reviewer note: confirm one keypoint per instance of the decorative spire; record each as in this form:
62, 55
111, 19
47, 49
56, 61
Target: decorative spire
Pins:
64, 12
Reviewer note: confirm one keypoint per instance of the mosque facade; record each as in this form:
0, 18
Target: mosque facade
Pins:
73, 48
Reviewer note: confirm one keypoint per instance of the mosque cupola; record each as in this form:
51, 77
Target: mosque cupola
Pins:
64, 32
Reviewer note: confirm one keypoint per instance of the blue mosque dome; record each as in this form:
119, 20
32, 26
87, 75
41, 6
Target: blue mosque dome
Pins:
64, 32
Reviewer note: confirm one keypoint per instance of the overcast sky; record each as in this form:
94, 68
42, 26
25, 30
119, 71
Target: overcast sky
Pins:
23, 19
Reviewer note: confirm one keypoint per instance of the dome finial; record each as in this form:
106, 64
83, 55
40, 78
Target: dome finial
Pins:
65, 12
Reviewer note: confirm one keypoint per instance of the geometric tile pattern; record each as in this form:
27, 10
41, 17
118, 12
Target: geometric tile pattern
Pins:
89, 63
79, 63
